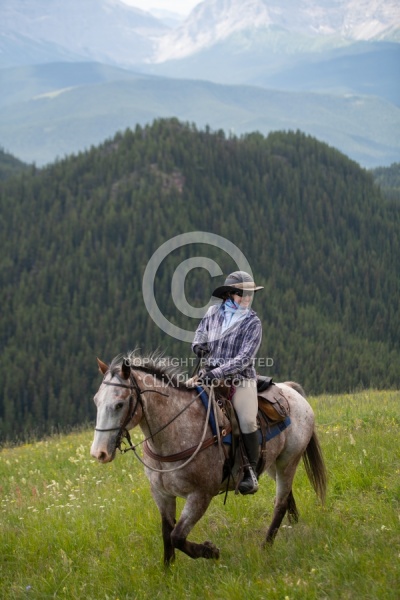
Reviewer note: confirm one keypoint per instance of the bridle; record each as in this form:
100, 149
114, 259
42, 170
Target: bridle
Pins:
122, 429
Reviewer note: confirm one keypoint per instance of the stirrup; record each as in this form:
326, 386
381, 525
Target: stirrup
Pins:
249, 483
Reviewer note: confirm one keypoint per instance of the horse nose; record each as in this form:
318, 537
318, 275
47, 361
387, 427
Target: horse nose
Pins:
101, 455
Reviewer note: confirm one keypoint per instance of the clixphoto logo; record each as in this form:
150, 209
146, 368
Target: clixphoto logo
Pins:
179, 276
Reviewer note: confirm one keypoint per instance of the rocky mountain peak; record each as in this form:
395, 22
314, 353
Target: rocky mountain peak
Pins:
212, 21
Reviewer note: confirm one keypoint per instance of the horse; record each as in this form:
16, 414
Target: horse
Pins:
182, 457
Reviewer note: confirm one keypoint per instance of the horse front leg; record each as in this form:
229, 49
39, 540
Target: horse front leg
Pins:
195, 507
167, 507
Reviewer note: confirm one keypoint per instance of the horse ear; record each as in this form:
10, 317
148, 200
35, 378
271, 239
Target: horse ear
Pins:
103, 368
125, 369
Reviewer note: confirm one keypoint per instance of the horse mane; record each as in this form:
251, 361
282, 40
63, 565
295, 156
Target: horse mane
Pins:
156, 363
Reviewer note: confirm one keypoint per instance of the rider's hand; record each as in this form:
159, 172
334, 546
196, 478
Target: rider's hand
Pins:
200, 350
207, 379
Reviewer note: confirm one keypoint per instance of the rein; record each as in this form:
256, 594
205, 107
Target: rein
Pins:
190, 453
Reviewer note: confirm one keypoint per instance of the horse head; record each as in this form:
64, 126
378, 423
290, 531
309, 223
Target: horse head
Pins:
118, 409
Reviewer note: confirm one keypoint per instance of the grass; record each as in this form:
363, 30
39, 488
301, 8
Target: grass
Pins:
74, 529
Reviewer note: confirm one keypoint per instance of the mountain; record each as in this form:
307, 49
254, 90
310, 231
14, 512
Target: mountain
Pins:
30, 83
17, 49
109, 31
336, 47
76, 238
170, 18
213, 21
269, 45
50, 111
371, 68
365, 68
345, 52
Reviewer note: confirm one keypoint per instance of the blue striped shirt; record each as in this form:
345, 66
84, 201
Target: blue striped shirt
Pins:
231, 353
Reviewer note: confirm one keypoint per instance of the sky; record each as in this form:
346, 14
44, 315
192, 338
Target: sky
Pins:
179, 6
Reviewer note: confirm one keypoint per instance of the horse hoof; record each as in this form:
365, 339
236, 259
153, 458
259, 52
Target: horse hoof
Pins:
168, 561
210, 550
268, 543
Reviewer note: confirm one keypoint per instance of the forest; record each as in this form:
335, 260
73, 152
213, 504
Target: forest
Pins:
388, 180
76, 237
9, 165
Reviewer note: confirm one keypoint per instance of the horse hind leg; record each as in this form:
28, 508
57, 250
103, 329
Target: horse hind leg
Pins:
195, 507
284, 500
293, 513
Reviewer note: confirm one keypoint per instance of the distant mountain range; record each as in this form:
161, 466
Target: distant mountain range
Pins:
333, 22
53, 110
113, 32
329, 55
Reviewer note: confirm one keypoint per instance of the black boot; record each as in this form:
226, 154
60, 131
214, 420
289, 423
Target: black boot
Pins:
249, 483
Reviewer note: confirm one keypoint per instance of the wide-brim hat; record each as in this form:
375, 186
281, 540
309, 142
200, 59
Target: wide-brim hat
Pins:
239, 280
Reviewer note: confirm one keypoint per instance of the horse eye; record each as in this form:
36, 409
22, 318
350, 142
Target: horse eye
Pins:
119, 406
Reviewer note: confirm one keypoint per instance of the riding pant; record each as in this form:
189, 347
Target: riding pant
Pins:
245, 403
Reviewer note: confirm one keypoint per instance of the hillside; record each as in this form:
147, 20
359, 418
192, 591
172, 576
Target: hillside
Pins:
77, 237
9, 165
65, 532
388, 179
51, 111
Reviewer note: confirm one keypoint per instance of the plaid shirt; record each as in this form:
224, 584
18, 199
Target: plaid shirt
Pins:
232, 353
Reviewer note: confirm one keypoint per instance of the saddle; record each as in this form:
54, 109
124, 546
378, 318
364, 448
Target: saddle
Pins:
272, 404
273, 418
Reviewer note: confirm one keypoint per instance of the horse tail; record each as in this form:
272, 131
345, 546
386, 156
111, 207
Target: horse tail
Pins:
312, 458
315, 466
297, 387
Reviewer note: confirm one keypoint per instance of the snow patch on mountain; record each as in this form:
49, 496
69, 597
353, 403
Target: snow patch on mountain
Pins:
213, 21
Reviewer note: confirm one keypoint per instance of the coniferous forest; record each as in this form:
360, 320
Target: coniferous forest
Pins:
76, 237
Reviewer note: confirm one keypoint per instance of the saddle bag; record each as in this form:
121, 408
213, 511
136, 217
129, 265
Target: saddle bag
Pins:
273, 404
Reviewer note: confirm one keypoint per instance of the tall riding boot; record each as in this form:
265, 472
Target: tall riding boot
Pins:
249, 483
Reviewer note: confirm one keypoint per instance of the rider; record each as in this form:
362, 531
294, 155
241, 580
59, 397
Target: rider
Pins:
228, 338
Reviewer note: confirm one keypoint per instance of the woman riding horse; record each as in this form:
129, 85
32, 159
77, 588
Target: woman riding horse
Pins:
228, 338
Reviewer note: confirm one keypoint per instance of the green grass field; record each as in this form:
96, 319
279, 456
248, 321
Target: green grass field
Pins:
75, 529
